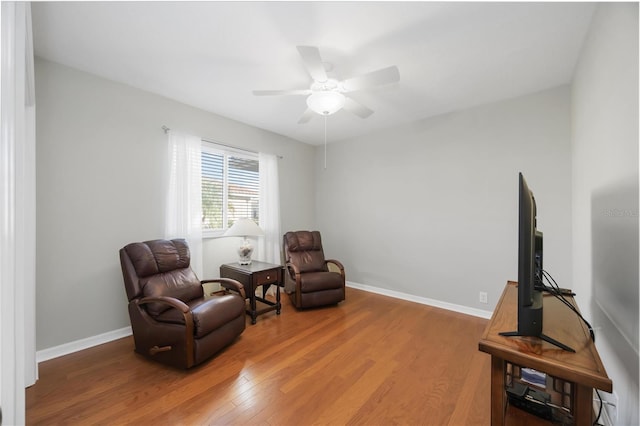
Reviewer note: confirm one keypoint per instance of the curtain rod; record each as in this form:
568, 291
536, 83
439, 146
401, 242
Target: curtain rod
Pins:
167, 130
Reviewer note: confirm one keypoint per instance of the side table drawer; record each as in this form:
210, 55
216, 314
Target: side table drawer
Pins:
266, 277
244, 279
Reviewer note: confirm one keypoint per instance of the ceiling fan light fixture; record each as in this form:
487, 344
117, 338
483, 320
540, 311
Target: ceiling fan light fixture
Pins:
325, 102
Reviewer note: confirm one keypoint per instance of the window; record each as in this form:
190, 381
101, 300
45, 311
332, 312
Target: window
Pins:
230, 187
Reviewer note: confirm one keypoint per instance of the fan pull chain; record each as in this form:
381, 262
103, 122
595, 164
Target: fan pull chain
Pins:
325, 141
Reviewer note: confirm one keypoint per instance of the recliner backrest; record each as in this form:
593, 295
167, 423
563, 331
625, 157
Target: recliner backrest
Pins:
304, 249
159, 268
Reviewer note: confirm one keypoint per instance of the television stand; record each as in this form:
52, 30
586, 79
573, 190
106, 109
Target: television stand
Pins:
570, 377
540, 336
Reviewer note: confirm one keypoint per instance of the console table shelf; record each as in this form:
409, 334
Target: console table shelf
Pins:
579, 373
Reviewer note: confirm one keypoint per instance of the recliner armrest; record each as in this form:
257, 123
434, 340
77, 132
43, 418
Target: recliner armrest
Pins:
174, 303
337, 263
171, 301
229, 284
293, 270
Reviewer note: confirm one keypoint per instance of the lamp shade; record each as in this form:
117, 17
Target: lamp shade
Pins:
325, 102
244, 228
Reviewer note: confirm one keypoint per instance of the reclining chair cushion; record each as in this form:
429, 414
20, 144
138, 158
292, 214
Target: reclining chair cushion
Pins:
158, 256
309, 261
181, 284
319, 281
305, 250
208, 315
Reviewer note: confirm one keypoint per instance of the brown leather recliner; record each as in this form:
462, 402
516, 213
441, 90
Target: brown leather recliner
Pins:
309, 280
172, 320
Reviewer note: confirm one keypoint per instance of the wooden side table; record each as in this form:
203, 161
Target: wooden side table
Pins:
252, 276
572, 376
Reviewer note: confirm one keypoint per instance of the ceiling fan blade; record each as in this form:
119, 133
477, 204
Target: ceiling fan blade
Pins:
281, 92
375, 78
306, 116
313, 62
357, 108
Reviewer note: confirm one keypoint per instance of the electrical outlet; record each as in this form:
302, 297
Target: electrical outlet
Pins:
609, 414
483, 297
612, 406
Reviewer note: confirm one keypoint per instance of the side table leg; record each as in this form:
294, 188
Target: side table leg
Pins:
252, 303
278, 305
583, 405
498, 403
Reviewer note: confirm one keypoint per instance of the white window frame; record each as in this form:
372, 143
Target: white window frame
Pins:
226, 151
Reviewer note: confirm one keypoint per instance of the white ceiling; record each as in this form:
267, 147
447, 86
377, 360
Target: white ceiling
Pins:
211, 55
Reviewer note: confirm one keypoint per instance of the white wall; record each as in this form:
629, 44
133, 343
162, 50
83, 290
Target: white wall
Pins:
101, 169
430, 209
605, 194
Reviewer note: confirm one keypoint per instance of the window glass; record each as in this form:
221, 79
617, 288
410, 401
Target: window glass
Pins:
230, 187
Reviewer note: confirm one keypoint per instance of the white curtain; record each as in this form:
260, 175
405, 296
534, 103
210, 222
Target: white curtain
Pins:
269, 245
18, 368
184, 197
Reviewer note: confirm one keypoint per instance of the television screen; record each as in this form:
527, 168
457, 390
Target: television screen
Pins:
529, 298
530, 255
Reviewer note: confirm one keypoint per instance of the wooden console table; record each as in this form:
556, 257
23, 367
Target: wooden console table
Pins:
571, 376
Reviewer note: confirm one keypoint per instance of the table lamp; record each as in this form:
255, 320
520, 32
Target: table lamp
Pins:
244, 228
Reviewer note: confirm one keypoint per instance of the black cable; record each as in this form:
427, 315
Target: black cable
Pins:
554, 289
597, 420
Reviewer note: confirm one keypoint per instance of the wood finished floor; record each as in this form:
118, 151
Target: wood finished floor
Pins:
372, 360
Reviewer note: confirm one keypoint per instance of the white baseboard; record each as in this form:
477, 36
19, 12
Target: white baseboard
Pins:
78, 345
422, 300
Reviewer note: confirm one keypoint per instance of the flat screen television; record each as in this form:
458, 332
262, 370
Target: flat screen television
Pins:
530, 285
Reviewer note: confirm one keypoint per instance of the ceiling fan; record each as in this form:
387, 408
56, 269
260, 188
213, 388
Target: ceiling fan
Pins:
327, 95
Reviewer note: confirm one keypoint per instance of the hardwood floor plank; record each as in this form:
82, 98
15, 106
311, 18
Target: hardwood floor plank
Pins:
371, 360
470, 403
358, 393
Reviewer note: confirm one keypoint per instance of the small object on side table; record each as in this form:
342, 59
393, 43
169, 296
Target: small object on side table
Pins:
253, 276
